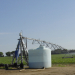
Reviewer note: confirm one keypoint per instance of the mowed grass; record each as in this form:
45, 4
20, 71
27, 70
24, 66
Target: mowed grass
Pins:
56, 59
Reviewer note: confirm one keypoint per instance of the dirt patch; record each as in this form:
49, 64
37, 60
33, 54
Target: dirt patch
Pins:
68, 70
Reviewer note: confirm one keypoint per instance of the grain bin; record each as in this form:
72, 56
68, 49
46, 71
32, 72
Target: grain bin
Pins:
40, 57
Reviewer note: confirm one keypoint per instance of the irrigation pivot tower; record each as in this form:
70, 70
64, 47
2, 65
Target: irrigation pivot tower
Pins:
22, 48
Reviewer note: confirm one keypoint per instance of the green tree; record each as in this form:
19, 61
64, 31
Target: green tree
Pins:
1, 54
8, 53
12, 52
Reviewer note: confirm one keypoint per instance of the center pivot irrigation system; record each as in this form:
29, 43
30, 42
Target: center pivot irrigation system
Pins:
22, 48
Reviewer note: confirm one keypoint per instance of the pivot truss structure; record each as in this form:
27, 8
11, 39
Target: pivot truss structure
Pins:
44, 43
22, 48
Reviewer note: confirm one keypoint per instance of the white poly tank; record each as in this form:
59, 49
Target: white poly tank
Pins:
39, 58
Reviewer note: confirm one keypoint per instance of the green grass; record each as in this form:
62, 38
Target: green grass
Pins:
8, 60
56, 59
5, 60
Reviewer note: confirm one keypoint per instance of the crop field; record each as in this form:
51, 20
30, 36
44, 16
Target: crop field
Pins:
55, 58
5, 60
8, 60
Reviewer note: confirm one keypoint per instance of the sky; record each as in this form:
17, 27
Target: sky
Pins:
49, 20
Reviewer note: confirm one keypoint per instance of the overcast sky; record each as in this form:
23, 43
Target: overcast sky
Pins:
49, 20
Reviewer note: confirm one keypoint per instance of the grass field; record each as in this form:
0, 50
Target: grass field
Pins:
8, 60
5, 60
56, 59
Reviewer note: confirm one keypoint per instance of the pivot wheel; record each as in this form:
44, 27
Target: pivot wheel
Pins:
15, 64
6, 66
21, 65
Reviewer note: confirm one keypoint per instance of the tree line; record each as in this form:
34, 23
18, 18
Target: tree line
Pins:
57, 51
7, 53
60, 51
